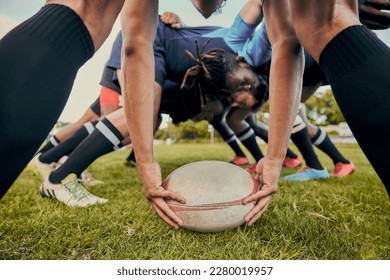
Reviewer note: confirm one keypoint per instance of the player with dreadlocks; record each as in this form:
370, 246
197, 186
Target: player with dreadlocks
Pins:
224, 75
167, 46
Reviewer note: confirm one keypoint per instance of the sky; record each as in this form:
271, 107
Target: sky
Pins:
86, 86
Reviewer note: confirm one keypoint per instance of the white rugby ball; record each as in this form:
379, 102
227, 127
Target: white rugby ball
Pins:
213, 191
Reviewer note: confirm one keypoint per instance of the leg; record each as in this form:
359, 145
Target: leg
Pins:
109, 101
292, 160
45, 162
230, 138
91, 114
236, 121
62, 183
45, 82
356, 70
314, 169
321, 140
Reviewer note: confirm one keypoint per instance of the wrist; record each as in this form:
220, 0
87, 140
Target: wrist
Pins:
276, 159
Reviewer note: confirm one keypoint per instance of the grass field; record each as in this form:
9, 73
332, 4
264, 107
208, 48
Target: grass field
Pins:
333, 219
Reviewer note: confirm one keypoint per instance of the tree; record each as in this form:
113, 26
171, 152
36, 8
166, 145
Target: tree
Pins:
185, 130
322, 108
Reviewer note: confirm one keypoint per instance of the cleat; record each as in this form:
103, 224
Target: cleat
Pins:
239, 160
292, 162
306, 173
43, 169
70, 192
251, 168
343, 169
130, 163
87, 178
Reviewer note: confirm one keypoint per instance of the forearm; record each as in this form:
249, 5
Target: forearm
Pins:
285, 84
138, 76
138, 100
285, 89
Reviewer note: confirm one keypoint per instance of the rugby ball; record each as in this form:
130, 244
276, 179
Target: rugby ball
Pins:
213, 191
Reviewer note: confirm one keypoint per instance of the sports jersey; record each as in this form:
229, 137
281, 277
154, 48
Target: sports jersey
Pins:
171, 60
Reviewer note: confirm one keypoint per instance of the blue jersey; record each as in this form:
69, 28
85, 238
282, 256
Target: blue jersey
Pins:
171, 60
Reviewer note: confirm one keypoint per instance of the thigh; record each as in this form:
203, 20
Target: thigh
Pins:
236, 118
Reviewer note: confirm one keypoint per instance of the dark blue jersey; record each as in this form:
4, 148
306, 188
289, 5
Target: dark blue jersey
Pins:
171, 60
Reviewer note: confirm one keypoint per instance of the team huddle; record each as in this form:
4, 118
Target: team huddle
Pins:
225, 75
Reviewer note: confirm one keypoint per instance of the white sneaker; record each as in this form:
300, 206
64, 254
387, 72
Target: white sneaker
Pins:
89, 179
43, 169
70, 191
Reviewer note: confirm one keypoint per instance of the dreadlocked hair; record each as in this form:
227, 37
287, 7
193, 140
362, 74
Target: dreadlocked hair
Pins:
208, 76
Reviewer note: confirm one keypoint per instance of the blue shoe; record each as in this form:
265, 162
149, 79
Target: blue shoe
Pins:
306, 173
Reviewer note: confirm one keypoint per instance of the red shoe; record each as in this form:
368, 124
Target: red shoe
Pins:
239, 160
292, 162
252, 168
343, 169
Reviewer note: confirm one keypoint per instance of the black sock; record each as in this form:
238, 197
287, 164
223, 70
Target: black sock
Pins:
291, 154
322, 141
261, 131
66, 147
233, 144
52, 142
227, 135
56, 43
131, 156
101, 141
357, 66
302, 140
248, 139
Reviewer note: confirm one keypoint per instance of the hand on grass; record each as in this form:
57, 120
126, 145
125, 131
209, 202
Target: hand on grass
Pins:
156, 194
268, 172
373, 13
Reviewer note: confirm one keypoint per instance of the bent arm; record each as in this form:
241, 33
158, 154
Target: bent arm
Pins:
252, 12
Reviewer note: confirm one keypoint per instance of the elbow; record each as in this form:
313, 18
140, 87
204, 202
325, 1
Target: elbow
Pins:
135, 46
288, 45
128, 51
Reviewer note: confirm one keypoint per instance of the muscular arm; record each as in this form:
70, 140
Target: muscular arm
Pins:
138, 73
285, 87
139, 23
252, 13
285, 77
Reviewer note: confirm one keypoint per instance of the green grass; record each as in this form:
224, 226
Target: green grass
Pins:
336, 219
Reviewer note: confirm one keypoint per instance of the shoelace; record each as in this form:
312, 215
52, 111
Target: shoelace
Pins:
77, 189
